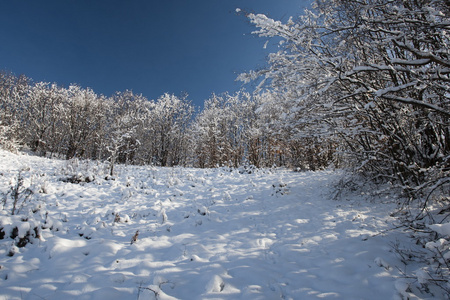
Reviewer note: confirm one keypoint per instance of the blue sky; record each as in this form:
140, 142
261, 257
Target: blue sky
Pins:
150, 47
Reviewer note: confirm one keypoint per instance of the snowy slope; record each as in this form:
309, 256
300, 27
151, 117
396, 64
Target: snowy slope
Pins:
200, 234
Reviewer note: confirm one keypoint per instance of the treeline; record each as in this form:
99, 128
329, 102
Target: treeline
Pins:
127, 128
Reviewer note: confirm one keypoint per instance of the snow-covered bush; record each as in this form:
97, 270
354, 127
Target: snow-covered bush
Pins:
18, 194
437, 273
247, 169
426, 257
22, 218
20, 229
84, 171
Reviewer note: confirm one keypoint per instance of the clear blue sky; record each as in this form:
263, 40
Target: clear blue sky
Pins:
150, 47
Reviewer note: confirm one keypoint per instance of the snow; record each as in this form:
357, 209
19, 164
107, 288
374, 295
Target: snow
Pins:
182, 233
442, 229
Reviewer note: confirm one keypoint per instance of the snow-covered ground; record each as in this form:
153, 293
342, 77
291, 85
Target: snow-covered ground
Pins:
199, 234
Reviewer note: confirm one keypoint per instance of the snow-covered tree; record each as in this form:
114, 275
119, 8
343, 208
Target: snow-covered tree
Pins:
205, 133
125, 119
222, 130
166, 136
43, 116
81, 116
13, 97
370, 77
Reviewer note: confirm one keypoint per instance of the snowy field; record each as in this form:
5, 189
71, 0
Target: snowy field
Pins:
175, 233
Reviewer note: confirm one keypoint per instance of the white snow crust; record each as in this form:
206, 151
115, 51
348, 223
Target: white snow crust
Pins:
198, 234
